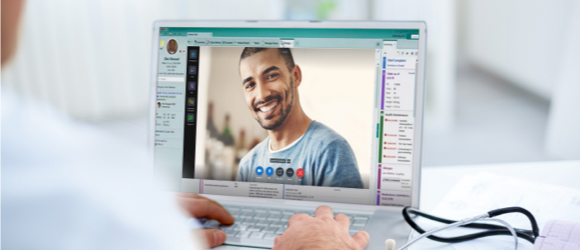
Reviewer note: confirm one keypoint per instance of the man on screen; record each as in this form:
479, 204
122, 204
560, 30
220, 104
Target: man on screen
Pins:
307, 152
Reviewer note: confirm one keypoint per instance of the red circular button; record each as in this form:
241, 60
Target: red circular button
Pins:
300, 172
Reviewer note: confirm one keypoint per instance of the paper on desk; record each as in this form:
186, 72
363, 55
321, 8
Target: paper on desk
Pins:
477, 194
559, 235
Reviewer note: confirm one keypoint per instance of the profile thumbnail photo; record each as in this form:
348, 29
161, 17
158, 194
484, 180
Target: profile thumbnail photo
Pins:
289, 116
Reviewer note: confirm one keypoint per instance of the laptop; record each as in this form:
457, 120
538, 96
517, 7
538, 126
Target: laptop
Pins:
274, 118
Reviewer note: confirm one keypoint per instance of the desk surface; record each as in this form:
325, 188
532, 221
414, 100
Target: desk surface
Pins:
436, 182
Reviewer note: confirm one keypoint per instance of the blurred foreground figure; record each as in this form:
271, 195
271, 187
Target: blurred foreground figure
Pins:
67, 186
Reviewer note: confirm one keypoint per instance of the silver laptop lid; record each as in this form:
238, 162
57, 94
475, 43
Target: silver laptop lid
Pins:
310, 111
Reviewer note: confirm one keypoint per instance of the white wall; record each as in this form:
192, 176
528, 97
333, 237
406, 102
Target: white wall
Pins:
92, 59
521, 41
441, 52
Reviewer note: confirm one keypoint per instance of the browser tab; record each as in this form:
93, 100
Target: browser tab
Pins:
271, 43
215, 42
200, 42
199, 34
287, 43
242, 42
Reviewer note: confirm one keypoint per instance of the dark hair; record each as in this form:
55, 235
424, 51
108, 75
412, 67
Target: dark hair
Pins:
284, 52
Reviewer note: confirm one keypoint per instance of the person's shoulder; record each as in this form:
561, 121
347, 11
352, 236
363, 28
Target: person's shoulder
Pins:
254, 152
323, 134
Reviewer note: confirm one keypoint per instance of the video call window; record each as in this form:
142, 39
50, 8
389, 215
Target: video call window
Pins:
317, 102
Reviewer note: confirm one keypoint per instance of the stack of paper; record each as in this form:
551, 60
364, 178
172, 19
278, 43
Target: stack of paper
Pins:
477, 194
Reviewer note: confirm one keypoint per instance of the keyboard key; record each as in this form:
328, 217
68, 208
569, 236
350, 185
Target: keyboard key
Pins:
263, 223
270, 230
359, 217
243, 234
358, 222
275, 211
278, 224
230, 232
212, 224
261, 216
241, 227
356, 228
258, 210
249, 221
257, 235
280, 230
275, 217
289, 212
247, 215
224, 227
233, 210
270, 236
254, 229
248, 209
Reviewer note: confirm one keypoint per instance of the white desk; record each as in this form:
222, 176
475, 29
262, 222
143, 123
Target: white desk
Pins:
436, 182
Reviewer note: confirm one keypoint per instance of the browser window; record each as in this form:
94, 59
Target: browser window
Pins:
302, 114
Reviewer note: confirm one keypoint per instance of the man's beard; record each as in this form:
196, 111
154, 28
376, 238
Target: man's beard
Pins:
284, 111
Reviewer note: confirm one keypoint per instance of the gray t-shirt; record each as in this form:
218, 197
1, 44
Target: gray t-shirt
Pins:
321, 157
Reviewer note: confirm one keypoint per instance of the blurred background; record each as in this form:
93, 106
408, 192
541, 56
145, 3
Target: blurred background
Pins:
502, 76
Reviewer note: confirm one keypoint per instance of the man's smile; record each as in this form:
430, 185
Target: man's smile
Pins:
266, 110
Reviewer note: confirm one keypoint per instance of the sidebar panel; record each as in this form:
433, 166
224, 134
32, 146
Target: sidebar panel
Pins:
190, 126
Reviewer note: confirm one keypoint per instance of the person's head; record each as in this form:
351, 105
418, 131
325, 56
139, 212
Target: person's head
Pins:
172, 46
158, 104
11, 11
270, 80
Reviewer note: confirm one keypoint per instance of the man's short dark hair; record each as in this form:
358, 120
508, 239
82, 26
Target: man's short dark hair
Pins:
284, 52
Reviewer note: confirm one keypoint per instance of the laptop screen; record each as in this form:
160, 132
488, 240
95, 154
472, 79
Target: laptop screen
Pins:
288, 113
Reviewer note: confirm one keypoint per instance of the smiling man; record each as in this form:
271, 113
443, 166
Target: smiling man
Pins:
300, 150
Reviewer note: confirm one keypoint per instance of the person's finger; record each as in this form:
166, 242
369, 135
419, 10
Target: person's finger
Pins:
199, 208
361, 238
324, 212
342, 220
296, 218
213, 237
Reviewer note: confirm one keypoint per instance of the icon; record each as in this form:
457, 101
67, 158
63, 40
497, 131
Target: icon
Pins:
191, 86
269, 171
290, 172
279, 171
193, 54
192, 70
300, 172
191, 102
259, 170
190, 117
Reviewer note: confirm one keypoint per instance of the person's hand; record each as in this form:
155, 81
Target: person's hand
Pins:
199, 207
323, 231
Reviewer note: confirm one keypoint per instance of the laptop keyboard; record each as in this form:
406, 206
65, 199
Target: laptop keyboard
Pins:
267, 223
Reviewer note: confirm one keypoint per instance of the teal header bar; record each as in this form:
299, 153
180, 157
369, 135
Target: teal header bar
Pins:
386, 34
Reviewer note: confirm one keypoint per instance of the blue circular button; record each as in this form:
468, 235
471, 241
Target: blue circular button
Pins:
269, 171
259, 170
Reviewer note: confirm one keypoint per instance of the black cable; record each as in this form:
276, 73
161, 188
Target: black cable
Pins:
492, 230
